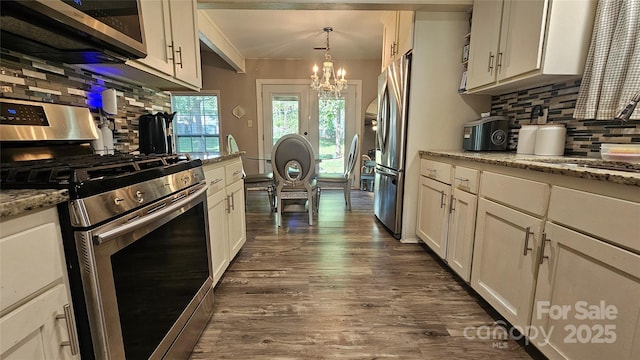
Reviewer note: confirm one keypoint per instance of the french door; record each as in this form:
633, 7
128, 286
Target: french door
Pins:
328, 123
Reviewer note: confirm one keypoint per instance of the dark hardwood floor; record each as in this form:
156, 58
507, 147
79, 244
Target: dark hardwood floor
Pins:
344, 289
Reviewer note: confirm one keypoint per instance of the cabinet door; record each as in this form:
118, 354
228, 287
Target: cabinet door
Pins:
388, 38
462, 224
32, 331
504, 259
521, 39
483, 48
578, 273
433, 214
218, 234
157, 28
404, 32
236, 222
186, 43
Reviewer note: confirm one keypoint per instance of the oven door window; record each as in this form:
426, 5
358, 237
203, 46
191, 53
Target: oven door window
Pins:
155, 278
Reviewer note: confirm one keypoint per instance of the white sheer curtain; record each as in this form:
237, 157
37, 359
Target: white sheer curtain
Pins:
612, 70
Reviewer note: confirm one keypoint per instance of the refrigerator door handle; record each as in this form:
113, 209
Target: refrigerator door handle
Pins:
383, 119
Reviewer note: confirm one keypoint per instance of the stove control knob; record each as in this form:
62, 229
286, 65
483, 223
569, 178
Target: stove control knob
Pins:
117, 201
186, 180
139, 196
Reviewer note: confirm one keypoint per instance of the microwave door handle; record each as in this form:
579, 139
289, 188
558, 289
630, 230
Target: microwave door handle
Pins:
130, 226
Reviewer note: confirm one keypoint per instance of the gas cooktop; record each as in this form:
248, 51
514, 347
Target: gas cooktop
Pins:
91, 174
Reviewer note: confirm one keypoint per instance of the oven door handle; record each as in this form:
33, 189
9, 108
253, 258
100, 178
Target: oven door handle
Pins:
159, 214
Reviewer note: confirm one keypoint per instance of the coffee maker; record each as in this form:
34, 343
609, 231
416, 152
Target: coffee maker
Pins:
155, 133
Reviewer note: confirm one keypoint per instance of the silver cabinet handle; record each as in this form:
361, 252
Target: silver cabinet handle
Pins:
179, 51
237, 172
432, 173
71, 329
452, 201
499, 62
544, 241
490, 66
215, 181
442, 201
528, 233
233, 202
170, 46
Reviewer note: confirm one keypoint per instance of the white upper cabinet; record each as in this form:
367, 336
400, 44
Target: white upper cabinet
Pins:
171, 30
517, 44
397, 38
173, 48
185, 41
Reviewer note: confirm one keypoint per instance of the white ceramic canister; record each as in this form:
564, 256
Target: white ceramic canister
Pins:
550, 140
527, 139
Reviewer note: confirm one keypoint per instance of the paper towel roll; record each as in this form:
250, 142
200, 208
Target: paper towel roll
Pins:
550, 140
527, 139
109, 101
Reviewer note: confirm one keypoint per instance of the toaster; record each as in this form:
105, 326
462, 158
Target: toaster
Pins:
486, 134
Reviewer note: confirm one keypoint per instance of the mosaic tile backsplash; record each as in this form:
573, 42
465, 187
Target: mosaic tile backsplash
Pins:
28, 78
583, 136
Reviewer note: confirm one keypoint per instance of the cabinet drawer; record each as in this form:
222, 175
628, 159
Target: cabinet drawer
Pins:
215, 180
604, 217
30, 261
436, 170
466, 179
234, 172
529, 196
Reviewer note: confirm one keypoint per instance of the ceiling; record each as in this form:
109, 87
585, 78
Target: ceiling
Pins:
292, 34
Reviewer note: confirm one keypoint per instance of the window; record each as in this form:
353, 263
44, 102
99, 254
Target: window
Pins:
196, 126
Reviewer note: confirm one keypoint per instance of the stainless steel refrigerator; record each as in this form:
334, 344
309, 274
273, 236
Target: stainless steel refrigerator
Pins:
393, 101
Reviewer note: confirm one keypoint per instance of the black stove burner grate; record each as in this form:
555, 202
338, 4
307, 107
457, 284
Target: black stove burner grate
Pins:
70, 172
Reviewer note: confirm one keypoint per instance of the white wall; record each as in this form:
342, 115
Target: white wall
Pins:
436, 111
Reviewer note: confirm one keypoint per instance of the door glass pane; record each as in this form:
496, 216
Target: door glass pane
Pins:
331, 123
286, 115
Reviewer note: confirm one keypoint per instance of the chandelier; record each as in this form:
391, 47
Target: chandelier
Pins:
331, 83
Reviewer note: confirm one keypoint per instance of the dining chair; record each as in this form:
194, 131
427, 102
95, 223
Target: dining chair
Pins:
293, 163
343, 180
254, 181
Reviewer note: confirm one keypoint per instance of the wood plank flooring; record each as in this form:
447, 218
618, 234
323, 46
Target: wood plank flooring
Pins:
343, 289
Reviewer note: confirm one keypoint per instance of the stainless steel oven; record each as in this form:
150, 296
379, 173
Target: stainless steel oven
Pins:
145, 275
134, 232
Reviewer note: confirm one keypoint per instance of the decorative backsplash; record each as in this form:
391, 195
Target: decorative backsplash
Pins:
28, 78
583, 136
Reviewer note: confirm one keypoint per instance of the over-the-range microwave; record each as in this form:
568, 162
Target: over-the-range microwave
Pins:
74, 31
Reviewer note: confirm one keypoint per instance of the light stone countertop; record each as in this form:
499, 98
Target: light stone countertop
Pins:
560, 165
16, 202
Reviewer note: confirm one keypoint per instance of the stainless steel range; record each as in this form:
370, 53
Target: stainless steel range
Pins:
134, 232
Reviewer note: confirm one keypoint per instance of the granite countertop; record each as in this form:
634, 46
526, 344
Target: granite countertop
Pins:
221, 158
16, 202
561, 165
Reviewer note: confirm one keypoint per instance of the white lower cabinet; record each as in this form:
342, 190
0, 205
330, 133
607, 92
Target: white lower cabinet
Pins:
588, 289
226, 213
504, 259
37, 318
462, 224
236, 218
587, 298
433, 214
